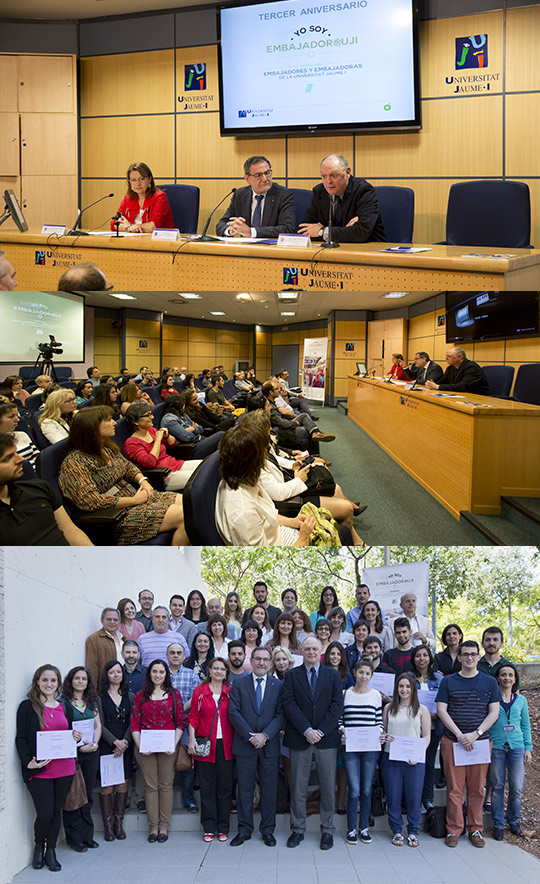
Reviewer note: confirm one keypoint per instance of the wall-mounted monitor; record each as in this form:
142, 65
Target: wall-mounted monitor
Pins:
479, 316
293, 66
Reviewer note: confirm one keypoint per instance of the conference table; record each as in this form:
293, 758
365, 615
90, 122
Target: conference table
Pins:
138, 263
466, 450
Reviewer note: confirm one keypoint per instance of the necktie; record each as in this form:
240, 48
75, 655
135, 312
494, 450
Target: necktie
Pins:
313, 681
337, 219
422, 375
256, 220
258, 694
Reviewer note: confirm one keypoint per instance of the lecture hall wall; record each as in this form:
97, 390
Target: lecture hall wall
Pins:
131, 77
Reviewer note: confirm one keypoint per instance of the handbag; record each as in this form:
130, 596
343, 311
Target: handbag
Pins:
320, 481
204, 744
326, 530
76, 797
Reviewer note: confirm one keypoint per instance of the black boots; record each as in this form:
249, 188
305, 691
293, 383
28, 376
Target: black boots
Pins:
37, 861
51, 861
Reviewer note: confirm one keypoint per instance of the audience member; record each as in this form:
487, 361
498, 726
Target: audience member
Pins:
147, 447
78, 690
313, 704
8, 283
85, 277
94, 375
129, 626
399, 658
404, 717
154, 644
84, 391
215, 396
94, 475
209, 724
202, 415
47, 781
421, 631
105, 644
361, 708
9, 420
283, 417
42, 381
468, 705
158, 706
447, 661
131, 393
55, 419
462, 375
15, 383
511, 750
256, 714
31, 511
106, 394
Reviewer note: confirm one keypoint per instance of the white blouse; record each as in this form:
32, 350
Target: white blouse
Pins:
247, 517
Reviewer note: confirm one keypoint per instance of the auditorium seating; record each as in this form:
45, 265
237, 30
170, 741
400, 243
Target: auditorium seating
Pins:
396, 205
199, 501
500, 379
41, 441
184, 203
489, 213
34, 402
527, 386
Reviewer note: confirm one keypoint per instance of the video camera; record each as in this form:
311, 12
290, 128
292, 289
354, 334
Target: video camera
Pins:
47, 351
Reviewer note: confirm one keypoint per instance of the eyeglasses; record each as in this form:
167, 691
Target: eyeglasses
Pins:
259, 175
472, 654
71, 399
138, 180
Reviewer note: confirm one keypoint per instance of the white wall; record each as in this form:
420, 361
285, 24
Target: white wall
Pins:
52, 599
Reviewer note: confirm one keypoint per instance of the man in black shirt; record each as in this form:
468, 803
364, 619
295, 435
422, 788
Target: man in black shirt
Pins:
399, 658
215, 394
462, 375
260, 592
31, 511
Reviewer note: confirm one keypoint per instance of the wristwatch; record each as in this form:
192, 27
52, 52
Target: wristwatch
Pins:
479, 731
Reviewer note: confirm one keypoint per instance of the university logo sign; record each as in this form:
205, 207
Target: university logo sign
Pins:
471, 52
195, 77
290, 276
40, 258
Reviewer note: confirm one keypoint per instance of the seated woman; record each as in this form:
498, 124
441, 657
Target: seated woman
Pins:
9, 418
147, 447
200, 413
281, 489
107, 394
58, 411
245, 513
189, 382
132, 393
84, 391
94, 476
181, 427
396, 371
15, 383
167, 388
144, 206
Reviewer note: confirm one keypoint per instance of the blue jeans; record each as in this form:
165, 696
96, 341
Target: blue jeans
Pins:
207, 445
400, 777
187, 784
513, 762
431, 751
360, 767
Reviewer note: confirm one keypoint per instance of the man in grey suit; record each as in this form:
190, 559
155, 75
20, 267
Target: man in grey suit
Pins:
423, 369
261, 209
312, 703
256, 714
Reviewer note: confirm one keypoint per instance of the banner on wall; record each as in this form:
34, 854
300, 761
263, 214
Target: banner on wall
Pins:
389, 582
314, 368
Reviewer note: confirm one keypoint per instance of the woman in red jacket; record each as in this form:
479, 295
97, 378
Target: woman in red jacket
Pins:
209, 718
144, 207
396, 371
147, 447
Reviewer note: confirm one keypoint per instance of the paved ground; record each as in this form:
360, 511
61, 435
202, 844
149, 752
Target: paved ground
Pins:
186, 859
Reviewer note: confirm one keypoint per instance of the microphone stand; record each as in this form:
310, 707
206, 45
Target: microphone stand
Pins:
330, 244
203, 237
75, 230
116, 221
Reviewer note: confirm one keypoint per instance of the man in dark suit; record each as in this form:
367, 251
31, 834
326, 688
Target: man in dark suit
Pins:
462, 375
355, 213
423, 369
261, 209
256, 714
312, 703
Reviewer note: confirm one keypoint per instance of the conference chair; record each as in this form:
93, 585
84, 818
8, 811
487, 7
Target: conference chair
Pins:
489, 213
230, 391
184, 203
154, 394
24, 427
67, 385
28, 471
41, 441
199, 383
34, 402
301, 200
199, 500
499, 378
178, 386
527, 386
99, 525
27, 372
396, 205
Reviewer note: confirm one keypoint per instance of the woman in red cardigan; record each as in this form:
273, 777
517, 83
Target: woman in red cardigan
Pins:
397, 371
144, 207
209, 717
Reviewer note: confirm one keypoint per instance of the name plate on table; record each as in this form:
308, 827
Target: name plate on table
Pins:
166, 234
297, 240
59, 229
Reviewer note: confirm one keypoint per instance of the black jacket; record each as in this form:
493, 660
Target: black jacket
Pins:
467, 377
429, 372
303, 712
359, 200
278, 211
27, 727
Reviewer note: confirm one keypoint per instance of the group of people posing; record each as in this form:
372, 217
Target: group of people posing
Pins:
257, 696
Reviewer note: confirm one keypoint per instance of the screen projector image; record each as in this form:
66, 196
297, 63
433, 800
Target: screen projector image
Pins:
294, 65
28, 318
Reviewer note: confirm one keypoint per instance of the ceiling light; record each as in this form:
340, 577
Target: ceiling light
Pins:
395, 295
190, 296
288, 313
217, 313
121, 297
287, 295
243, 296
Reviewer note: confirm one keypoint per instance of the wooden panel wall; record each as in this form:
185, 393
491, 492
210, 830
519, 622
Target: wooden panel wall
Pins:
475, 132
263, 353
351, 331
108, 346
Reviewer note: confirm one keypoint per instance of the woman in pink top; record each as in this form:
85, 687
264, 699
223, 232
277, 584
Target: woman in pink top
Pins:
48, 781
147, 447
128, 626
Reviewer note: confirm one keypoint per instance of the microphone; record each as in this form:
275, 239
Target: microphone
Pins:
203, 237
76, 229
116, 221
331, 244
